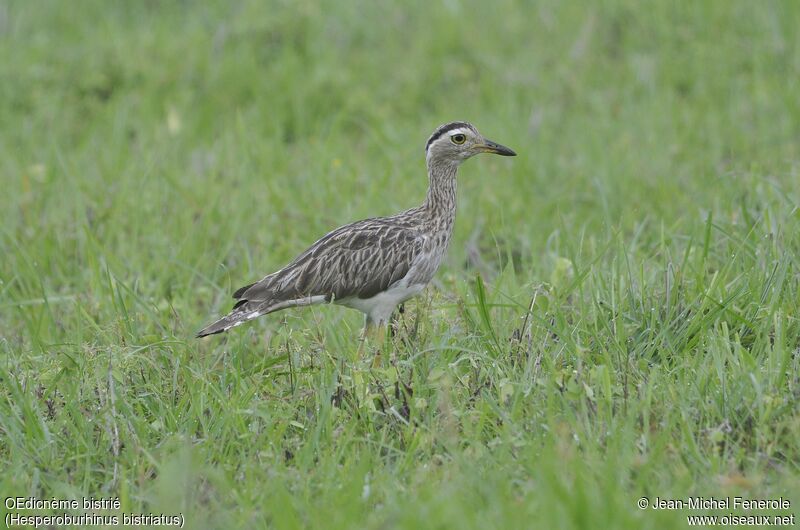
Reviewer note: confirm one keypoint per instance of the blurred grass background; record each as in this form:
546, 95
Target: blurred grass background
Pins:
616, 317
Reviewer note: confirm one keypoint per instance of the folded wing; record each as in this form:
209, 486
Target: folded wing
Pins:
360, 259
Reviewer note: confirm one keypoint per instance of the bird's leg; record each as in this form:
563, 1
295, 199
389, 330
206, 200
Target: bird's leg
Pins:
367, 338
373, 336
371, 340
379, 338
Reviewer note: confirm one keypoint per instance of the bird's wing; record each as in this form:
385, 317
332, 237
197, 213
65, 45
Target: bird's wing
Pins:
360, 259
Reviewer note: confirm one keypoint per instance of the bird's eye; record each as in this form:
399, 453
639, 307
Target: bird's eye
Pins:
458, 139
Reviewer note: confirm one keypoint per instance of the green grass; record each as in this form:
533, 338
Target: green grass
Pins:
617, 316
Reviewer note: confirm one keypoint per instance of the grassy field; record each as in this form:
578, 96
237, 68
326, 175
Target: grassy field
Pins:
617, 316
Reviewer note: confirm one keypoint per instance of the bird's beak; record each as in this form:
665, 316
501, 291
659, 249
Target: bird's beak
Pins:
492, 147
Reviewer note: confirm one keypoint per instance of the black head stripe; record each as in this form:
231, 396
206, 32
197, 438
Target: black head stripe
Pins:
446, 128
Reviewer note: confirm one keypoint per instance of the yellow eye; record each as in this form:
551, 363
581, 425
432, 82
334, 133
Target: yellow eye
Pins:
458, 139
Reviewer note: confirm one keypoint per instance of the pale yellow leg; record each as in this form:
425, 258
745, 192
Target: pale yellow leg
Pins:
373, 336
371, 341
376, 336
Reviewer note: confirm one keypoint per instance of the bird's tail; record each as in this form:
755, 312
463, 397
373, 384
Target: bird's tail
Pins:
241, 313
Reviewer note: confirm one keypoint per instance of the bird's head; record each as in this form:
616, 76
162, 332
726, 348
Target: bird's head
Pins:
454, 142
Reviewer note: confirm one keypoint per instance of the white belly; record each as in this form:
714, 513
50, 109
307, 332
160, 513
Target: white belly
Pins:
379, 308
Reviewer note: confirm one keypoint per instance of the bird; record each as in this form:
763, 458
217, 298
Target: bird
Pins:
375, 264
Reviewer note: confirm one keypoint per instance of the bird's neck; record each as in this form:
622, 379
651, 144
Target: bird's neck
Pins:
441, 200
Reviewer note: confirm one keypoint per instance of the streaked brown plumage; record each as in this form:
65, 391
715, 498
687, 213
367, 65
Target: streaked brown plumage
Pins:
375, 264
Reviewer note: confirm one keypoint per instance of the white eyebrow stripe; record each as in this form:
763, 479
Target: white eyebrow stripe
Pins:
443, 131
